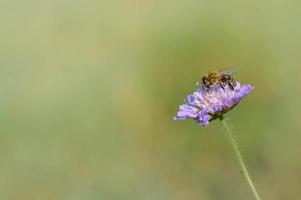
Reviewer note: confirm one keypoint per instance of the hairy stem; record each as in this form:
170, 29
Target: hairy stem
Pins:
239, 158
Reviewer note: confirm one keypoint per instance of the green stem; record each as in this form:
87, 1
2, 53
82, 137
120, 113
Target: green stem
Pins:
239, 158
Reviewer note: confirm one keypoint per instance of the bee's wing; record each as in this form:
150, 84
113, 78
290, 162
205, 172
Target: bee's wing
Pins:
228, 71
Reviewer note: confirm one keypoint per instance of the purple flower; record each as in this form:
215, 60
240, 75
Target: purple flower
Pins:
207, 104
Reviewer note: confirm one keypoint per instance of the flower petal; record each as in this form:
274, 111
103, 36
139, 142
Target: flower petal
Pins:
242, 92
185, 112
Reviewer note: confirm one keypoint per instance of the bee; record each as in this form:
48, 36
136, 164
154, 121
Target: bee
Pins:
222, 77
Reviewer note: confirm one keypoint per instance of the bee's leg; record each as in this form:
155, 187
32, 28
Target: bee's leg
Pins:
222, 85
233, 82
230, 83
204, 81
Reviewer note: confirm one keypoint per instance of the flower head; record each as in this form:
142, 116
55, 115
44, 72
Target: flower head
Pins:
209, 103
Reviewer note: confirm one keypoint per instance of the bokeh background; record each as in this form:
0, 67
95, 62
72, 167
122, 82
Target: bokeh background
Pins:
88, 91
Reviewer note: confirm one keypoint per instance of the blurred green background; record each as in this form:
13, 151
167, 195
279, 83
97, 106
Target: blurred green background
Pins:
88, 90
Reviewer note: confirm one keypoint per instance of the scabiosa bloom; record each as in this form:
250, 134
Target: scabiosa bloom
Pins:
207, 104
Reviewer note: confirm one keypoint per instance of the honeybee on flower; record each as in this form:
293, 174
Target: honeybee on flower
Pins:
218, 93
